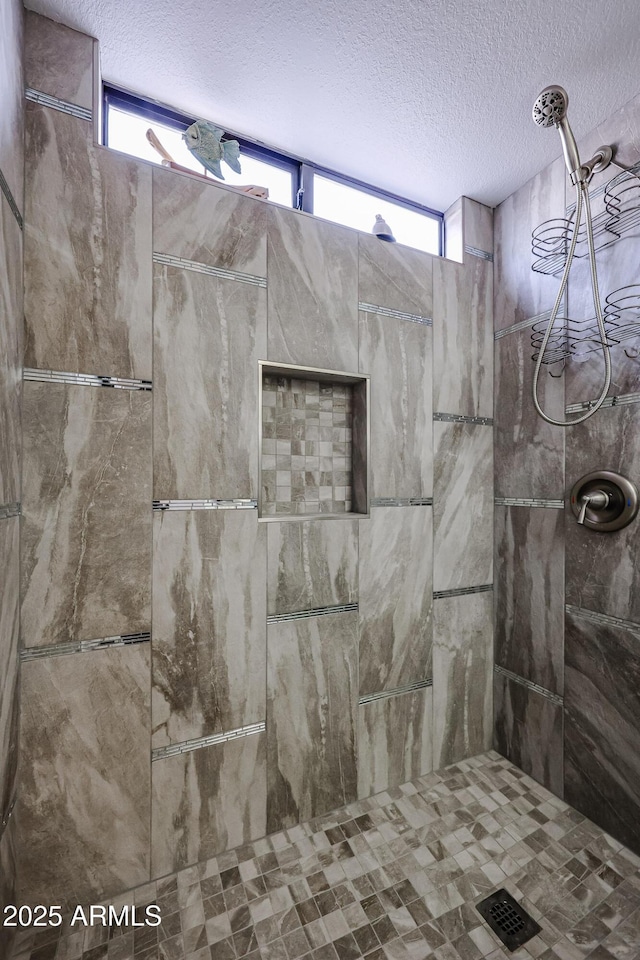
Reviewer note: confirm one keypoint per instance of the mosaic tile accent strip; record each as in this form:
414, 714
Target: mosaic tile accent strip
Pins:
392, 877
460, 418
394, 314
8, 510
45, 100
462, 591
602, 618
306, 446
402, 502
4, 186
205, 505
396, 692
187, 746
82, 646
529, 684
85, 379
316, 612
211, 271
528, 502
621, 400
476, 252
521, 325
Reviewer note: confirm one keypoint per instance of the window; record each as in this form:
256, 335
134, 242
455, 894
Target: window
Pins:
291, 182
338, 201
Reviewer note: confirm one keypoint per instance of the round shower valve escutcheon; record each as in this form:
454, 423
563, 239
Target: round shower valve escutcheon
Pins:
604, 501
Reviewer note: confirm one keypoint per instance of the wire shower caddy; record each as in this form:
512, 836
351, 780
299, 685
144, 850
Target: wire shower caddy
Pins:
550, 242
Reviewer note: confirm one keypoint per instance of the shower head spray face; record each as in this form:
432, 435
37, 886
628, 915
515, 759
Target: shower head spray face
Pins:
550, 106
550, 110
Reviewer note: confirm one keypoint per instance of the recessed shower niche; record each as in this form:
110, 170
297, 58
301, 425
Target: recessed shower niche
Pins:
314, 443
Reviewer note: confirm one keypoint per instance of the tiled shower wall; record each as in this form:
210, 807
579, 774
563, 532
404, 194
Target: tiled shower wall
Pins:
567, 599
11, 213
194, 678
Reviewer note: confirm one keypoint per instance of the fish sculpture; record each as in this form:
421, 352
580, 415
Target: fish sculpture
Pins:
204, 141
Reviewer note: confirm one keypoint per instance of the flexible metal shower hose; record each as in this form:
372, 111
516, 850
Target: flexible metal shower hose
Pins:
581, 188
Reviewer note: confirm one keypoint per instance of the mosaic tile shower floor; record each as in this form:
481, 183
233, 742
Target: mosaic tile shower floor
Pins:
393, 877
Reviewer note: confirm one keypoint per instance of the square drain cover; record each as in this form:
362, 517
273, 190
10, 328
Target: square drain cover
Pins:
507, 919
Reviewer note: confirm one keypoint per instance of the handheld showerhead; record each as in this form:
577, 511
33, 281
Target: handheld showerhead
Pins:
550, 106
550, 109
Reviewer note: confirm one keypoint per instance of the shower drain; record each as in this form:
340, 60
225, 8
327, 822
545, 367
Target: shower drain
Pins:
507, 919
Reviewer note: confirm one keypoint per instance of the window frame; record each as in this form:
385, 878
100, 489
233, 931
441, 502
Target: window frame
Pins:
302, 171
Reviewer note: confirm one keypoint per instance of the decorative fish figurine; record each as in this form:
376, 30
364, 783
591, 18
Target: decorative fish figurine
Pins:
204, 140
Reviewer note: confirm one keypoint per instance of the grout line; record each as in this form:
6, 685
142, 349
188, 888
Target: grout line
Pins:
188, 746
534, 687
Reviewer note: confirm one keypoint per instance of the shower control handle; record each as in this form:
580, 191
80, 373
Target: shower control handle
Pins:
597, 500
604, 501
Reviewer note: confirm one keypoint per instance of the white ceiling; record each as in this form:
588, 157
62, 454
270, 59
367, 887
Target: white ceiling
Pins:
430, 99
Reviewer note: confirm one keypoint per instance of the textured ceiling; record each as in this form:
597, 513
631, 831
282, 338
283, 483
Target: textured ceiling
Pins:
428, 98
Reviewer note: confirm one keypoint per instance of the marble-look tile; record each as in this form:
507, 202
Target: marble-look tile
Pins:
398, 356
453, 232
311, 564
86, 534
313, 291
9, 663
529, 589
478, 225
462, 505
462, 677
395, 276
87, 251
7, 884
528, 731
58, 60
394, 741
208, 223
529, 453
12, 97
11, 335
463, 337
207, 801
312, 704
519, 292
83, 808
205, 412
209, 623
602, 726
622, 131
395, 574
602, 569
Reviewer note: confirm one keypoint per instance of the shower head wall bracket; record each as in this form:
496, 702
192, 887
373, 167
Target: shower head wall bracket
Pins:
604, 501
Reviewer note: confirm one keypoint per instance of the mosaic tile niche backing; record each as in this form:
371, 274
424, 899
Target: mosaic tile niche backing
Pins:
306, 446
